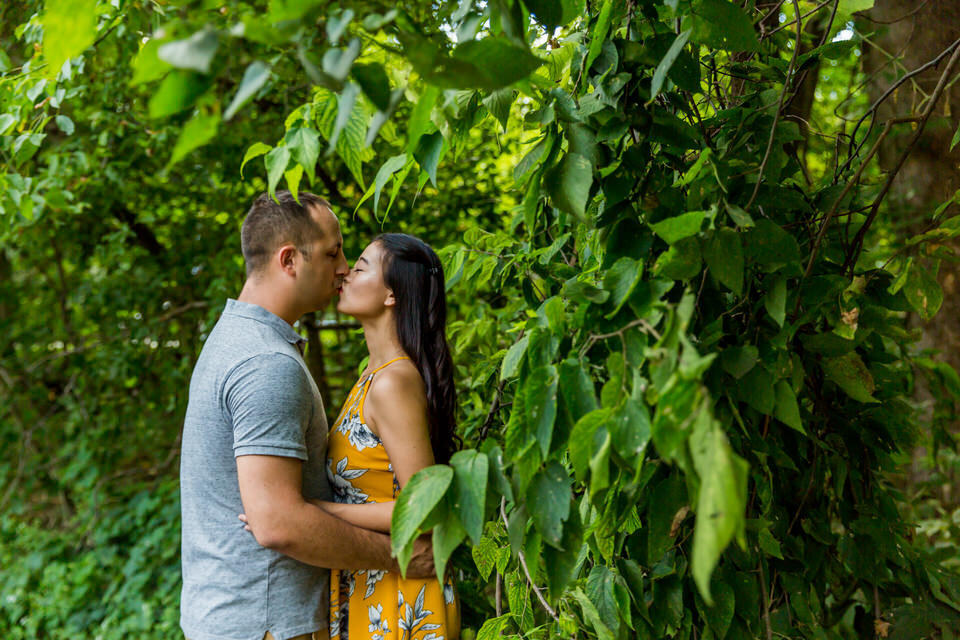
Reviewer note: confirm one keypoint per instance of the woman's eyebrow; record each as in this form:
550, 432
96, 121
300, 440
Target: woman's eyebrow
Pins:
363, 259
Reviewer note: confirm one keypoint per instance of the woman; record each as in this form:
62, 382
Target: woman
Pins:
397, 419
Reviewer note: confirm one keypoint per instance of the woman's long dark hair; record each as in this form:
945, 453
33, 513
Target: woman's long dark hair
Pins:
412, 271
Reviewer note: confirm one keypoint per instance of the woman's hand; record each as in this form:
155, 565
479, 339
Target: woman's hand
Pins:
329, 507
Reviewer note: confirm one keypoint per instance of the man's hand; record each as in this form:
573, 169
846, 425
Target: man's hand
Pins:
421, 563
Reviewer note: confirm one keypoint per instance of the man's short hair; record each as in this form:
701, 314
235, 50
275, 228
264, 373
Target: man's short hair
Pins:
271, 223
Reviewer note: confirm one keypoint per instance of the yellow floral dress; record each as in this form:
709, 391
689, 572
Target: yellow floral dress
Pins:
374, 604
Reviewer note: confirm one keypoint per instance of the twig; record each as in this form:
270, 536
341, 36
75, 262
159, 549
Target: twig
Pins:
776, 117
494, 407
595, 337
830, 215
766, 603
857, 244
498, 595
526, 571
886, 94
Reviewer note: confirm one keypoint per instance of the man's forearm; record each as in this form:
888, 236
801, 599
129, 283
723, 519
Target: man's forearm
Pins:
318, 538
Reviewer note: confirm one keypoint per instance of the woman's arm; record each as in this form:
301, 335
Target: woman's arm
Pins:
370, 515
396, 410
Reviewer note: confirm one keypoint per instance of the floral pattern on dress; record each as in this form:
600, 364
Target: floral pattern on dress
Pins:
360, 471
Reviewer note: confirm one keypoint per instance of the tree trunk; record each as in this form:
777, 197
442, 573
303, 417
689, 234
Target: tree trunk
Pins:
906, 35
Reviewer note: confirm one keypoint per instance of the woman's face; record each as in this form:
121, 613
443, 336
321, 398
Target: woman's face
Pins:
363, 293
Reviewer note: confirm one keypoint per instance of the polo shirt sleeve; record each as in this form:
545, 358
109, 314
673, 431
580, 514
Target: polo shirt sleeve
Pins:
269, 402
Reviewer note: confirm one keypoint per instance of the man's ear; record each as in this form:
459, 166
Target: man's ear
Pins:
390, 300
286, 258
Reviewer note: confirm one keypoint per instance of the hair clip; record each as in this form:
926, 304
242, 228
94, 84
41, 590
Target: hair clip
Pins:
433, 271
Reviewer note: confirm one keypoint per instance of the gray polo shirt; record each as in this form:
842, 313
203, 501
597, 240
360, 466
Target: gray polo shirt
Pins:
251, 393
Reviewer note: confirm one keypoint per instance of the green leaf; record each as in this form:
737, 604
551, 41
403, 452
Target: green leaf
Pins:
337, 62
283, 10
592, 615
738, 361
256, 74
681, 261
374, 82
721, 24
771, 246
569, 184
447, 536
620, 280
722, 501
470, 484
390, 167
293, 176
679, 227
756, 389
549, 496
923, 292
511, 361
582, 439
630, 427
304, 146
195, 53
667, 507
541, 405
178, 91
6, 121
724, 257
576, 390
346, 100
769, 544
554, 13
256, 149
200, 130
498, 104
498, 61
775, 300
850, 374
561, 564
147, 66
600, 584
417, 499
600, 30
419, 120
337, 24
787, 410
428, 153
69, 27
276, 162
63, 122
493, 628
667, 63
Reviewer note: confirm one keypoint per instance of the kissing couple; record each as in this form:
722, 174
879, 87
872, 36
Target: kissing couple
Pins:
309, 557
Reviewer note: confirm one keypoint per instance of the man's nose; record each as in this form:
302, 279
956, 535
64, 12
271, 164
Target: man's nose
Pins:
343, 268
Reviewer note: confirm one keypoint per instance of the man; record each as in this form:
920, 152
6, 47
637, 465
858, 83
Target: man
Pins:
254, 441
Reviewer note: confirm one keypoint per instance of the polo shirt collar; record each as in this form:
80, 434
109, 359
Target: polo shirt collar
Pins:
258, 313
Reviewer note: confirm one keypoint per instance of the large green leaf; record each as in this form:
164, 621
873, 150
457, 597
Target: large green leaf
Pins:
660, 74
541, 409
178, 91
256, 74
276, 162
600, 585
850, 374
721, 24
304, 145
417, 499
620, 280
722, 500
923, 292
374, 82
428, 153
549, 498
724, 257
787, 410
679, 227
447, 536
513, 358
554, 13
569, 184
200, 130
69, 27
195, 53
470, 490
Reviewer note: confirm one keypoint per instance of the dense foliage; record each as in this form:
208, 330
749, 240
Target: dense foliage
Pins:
685, 371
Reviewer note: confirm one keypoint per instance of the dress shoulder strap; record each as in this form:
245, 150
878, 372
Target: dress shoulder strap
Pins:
386, 363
